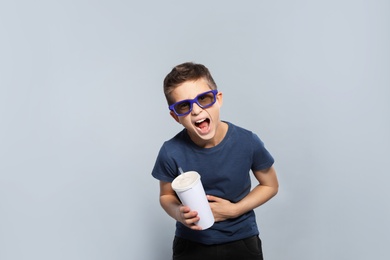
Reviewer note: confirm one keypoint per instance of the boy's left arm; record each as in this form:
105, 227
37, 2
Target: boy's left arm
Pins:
265, 190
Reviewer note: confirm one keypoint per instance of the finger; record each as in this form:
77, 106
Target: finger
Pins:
212, 198
185, 209
190, 215
192, 221
196, 227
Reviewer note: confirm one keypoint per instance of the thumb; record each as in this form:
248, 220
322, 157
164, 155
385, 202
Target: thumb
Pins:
212, 198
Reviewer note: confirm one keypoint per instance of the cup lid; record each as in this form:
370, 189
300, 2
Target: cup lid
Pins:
185, 181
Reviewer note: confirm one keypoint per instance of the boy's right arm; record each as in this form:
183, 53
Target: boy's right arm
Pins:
172, 205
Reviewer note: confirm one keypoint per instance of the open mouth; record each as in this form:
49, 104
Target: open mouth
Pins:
203, 124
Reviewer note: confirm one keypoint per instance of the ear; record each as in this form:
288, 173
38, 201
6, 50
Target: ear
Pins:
220, 98
174, 116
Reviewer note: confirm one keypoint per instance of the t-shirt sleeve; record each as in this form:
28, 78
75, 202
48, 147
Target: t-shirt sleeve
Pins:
164, 168
262, 159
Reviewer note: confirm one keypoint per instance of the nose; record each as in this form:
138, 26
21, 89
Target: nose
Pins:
196, 109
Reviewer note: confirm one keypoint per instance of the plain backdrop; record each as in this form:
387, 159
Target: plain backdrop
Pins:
83, 115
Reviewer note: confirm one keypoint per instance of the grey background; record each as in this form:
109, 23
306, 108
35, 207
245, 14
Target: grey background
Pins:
83, 116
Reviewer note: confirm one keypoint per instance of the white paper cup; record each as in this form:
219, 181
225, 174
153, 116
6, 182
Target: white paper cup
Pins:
189, 188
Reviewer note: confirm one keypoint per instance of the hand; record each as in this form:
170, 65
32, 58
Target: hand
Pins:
188, 218
222, 209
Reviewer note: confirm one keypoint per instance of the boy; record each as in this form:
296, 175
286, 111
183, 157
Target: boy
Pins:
223, 154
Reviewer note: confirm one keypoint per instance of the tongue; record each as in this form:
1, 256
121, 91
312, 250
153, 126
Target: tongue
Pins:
203, 125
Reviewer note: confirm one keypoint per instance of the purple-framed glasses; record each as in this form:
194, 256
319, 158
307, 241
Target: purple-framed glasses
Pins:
203, 100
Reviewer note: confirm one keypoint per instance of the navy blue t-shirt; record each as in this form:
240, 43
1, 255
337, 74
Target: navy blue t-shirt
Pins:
224, 171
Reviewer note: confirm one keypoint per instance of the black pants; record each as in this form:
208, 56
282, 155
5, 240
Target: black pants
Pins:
245, 249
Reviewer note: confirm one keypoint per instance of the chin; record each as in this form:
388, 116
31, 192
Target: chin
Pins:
209, 137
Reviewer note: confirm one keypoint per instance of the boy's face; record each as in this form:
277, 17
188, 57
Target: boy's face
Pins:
202, 124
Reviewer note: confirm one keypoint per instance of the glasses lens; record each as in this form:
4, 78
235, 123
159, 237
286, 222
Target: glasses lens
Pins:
206, 99
182, 107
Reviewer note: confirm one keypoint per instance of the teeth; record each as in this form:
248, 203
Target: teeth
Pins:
200, 121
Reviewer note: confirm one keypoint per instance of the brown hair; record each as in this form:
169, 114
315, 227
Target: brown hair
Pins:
187, 71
